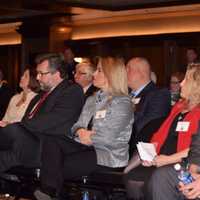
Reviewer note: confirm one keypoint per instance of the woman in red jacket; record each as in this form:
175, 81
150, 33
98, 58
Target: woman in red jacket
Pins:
173, 138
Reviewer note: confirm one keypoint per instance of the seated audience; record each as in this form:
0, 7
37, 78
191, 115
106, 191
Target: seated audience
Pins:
5, 94
83, 76
164, 182
70, 63
174, 136
19, 102
175, 80
192, 56
101, 133
150, 101
52, 112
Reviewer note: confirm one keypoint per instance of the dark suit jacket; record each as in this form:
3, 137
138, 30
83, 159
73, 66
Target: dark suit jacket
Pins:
22, 141
90, 91
58, 113
5, 95
154, 104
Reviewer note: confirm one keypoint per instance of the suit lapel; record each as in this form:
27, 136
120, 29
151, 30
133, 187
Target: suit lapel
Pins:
49, 102
142, 96
90, 91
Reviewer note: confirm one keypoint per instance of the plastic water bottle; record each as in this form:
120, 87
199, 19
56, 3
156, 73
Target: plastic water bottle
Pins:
85, 195
183, 174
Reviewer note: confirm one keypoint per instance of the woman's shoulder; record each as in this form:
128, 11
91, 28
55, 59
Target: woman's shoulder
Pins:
16, 96
122, 98
122, 101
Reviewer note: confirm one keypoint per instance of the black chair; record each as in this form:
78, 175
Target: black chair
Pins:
102, 185
108, 183
20, 182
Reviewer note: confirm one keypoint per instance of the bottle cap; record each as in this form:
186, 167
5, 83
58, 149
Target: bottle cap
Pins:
177, 167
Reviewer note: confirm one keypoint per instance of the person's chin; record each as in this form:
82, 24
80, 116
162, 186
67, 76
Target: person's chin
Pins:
94, 83
182, 96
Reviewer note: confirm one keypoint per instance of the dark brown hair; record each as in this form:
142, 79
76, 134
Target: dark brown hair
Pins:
179, 75
33, 82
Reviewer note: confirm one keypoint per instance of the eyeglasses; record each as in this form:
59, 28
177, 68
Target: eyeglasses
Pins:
174, 82
80, 73
43, 73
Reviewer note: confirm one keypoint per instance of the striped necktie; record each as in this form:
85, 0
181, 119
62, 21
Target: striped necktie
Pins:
38, 105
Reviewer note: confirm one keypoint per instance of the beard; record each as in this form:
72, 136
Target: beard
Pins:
45, 87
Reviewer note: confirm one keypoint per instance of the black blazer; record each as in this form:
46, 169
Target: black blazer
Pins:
154, 104
5, 95
90, 91
58, 113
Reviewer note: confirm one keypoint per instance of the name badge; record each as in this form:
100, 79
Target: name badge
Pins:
100, 114
136, 100
182, 126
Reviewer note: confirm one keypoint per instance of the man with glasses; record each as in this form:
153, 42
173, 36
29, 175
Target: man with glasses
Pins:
84, 76
53, 112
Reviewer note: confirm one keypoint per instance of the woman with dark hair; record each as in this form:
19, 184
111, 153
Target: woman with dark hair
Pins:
175, 87
20, 101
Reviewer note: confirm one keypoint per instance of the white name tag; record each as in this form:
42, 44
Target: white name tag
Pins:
100, 114
182, 126
136, 100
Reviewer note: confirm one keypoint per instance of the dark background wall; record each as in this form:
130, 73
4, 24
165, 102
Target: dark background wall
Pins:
166, 53
10, 61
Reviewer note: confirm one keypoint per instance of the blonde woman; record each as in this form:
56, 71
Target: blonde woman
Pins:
101, 134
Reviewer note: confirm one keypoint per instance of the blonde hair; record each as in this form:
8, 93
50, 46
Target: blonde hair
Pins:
193, 76
115, 71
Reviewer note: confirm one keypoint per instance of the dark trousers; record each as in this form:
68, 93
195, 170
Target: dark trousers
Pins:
64, 158
136, 180
18, 147
163, 185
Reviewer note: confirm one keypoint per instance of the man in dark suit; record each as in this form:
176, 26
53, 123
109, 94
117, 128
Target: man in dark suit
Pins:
5, 95
150, 101
84, 76
51, 113
70, 63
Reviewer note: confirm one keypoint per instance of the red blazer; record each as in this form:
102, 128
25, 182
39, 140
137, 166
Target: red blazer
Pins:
184, 138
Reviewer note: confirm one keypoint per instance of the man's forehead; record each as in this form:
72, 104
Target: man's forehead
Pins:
82, 67
131, 64
43, 65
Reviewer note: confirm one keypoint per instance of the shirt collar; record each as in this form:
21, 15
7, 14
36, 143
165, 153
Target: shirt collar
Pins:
135, 93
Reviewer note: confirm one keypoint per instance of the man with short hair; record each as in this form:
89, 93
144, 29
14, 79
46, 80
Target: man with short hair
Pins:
150, 101
84, 76
53, 112
70, 63
191, 55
